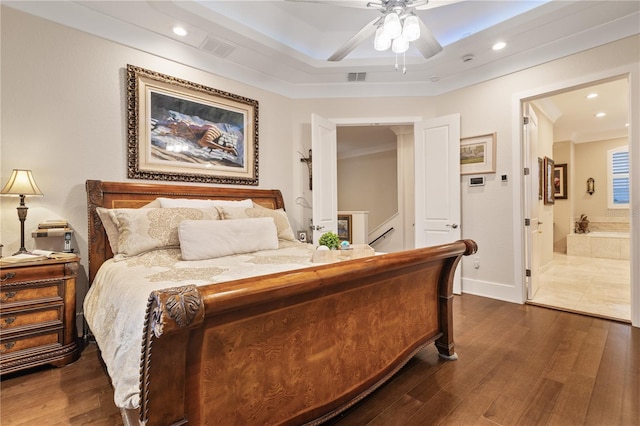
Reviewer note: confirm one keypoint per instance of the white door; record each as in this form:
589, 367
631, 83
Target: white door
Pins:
437, 183
324, 170
531, 202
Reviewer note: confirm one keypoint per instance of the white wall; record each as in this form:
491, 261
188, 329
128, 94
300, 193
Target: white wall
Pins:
63, 116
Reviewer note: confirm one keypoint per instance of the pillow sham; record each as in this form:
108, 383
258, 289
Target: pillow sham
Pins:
279, 216
110, 227
142, 230
200, 203
209, 239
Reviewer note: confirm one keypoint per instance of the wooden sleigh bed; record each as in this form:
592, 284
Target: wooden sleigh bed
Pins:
294, 347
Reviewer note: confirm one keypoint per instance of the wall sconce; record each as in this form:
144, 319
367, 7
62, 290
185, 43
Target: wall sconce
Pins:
21, 183
307, 160
591, 186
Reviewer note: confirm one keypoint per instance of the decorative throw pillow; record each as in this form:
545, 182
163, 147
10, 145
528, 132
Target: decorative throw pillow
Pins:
200, 203
279, 216
209, 239
142, 230
110, 227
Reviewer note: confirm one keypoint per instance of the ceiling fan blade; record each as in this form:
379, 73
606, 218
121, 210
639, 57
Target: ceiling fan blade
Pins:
419, 5
362, 4
366, 32
427, 44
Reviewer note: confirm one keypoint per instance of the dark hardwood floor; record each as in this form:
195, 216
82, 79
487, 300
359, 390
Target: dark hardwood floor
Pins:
518, 365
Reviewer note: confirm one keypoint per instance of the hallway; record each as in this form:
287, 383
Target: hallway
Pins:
595, 286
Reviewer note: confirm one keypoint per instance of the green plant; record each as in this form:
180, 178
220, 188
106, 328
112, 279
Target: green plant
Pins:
329, 239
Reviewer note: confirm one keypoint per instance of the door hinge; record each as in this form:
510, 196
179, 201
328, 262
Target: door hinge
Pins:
527, 222
527, 272
525, 120
526, 171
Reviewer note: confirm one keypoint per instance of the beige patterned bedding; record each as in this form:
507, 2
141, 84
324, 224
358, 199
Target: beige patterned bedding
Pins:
115, 304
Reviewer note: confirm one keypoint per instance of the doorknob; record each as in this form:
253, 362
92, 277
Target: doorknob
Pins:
454, 226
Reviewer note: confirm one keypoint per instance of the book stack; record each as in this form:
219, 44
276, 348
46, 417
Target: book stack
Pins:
52, 228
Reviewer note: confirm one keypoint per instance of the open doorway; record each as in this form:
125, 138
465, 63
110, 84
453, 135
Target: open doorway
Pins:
585, 270
368, 187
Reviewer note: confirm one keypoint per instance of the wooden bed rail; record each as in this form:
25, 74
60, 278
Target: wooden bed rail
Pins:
296, 347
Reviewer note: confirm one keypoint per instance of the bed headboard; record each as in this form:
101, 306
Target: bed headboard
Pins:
134, 195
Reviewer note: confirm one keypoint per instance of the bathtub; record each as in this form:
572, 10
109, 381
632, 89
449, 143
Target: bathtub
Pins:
608, 245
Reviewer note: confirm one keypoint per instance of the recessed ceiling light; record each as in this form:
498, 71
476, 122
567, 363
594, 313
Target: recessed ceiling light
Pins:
499, 45
592, 95
179, 31
600, 114
626, 125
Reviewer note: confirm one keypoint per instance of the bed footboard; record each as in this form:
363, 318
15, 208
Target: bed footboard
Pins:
294, 348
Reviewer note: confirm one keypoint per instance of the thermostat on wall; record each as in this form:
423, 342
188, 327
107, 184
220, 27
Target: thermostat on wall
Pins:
476, 181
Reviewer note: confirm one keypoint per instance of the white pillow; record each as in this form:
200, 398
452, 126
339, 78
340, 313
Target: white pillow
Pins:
200, 203
279, 216
142, 230
208, 239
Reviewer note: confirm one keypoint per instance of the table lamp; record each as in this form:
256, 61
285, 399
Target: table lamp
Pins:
21, 183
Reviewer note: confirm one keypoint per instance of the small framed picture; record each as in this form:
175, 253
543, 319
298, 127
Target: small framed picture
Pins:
560, 181
302, 236
344, 227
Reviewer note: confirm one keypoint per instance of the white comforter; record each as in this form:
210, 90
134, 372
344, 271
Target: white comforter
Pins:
115, 304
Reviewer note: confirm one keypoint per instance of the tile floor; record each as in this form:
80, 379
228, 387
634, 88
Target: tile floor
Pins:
583, 284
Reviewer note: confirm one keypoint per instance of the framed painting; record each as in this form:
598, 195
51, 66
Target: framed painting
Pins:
478, 154
560, 181
184, 131
540, 178
344, 227
549, 193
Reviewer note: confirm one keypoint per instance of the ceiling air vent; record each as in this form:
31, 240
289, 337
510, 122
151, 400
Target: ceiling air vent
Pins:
217, 47
357, 76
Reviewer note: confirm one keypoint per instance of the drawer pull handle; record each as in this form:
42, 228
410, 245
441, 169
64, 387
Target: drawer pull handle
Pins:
8, 295
8, 276
7, 347
7, 321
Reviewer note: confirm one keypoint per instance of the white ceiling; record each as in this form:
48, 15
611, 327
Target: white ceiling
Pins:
282, 46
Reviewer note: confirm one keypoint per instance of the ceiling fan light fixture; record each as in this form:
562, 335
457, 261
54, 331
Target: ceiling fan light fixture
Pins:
411, 28
392, 26
400, 45
381, 42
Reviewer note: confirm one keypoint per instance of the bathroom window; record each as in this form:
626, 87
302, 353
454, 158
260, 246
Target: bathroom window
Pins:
618, 178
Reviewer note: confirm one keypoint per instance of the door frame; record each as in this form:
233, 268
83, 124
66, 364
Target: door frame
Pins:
633, 77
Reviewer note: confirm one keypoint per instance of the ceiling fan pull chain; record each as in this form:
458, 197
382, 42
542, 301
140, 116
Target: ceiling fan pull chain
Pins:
404, 63
396, 62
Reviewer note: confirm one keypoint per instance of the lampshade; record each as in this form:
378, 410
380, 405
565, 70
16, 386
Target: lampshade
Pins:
21, 182
400, 45
411, 28
392, 26
381, 41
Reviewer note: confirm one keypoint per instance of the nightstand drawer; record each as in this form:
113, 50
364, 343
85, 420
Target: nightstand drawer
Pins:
10, 275
41, 341
38, 292
27, 319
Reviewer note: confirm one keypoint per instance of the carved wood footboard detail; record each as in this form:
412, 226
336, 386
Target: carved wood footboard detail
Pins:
169, 313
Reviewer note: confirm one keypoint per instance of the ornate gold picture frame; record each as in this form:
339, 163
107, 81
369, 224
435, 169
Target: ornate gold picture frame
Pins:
184, 131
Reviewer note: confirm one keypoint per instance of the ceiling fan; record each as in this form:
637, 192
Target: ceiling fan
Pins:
398, 11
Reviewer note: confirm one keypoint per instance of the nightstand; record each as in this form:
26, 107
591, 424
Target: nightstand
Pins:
38, 314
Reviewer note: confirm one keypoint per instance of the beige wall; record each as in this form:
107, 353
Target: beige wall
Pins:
563, 153
369, 183
63, 116
591, 161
